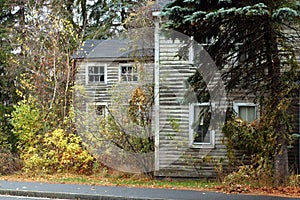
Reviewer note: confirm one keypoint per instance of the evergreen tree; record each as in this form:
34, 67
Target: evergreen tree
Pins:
8, 75
253, 44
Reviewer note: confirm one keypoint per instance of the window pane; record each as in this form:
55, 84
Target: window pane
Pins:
129, 70
247, 113
124, 70
96, 73
90, 70
251, 114
100, 109
97, 78
201, 124
101, 70
91, 79
128, 73
96, 70
102, 78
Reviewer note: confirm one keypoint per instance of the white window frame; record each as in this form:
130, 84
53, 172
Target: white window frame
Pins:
193, 144
97, 104
95, 65
134, 67
236, 106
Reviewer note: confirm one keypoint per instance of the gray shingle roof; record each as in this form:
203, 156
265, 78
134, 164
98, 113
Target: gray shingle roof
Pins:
111, 48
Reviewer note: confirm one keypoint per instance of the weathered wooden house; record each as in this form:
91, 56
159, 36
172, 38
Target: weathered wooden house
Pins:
184, 146
103, 64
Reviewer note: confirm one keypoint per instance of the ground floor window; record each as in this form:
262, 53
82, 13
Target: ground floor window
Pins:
96, 109
246, 111
201, 132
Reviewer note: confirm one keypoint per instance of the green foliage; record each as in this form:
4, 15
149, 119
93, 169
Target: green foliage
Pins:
285, 14
28, 122
252, 44
249, 137
8, 76
256, 143
46, 72
58, 152
104, 19
7, 138
47, 151
175, 125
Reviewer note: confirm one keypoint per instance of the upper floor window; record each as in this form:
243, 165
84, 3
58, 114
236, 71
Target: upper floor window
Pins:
128, 73
96, 74
97, 109
246, 111
200, 132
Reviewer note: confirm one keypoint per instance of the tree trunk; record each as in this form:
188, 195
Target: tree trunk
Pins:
275, 112
281, 168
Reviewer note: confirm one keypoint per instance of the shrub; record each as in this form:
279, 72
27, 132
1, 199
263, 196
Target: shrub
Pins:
9, 163
58, 152
27, 121
257, 175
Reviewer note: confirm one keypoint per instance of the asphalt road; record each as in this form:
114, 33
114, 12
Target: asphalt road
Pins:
77, 191
7, 197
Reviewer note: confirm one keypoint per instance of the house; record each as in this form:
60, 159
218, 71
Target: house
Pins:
184, 145
103, 63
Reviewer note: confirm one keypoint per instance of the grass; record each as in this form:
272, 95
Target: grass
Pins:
122, 179
115, 179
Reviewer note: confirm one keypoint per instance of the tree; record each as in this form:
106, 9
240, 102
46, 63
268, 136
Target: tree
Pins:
251, 42
45, 43
8, 95
102, 19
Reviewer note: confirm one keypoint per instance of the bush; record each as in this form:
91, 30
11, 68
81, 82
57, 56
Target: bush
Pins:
9, 163
27, 121
257, 175
58, 152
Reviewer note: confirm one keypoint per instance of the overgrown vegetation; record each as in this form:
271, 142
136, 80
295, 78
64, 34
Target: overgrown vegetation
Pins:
253, 45
122, 137
37, 132
46, 149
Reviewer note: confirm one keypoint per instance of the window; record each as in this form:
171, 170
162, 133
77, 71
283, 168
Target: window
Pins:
200, 131
97, 109
128, 73
96, 74
246, 111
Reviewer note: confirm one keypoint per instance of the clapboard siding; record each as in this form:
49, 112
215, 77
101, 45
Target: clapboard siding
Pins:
176, 158
102, 92
294, 151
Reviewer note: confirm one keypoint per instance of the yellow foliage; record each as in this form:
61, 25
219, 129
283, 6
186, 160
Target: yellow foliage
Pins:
58, 152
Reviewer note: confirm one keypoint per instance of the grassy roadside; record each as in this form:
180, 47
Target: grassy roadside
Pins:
121, 179
115, 179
